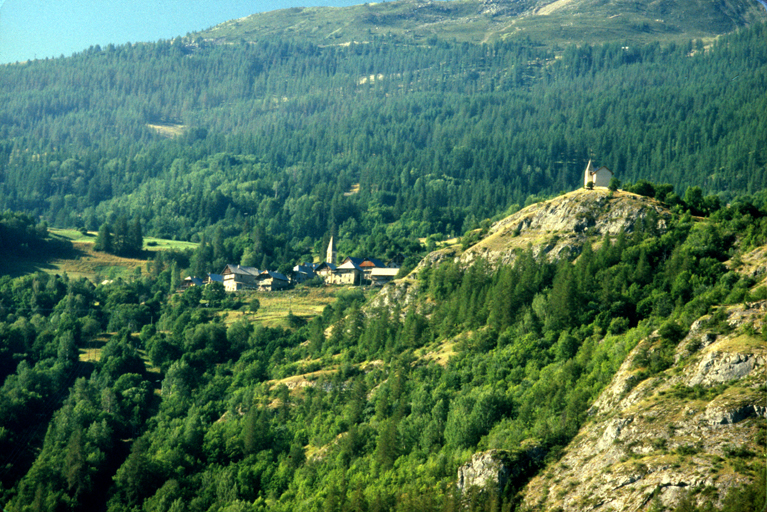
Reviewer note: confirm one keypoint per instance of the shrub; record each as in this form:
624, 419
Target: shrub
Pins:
672, 331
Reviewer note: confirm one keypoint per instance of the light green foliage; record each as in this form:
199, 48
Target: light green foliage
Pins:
346, 412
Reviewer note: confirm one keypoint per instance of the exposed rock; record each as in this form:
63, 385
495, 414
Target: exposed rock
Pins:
486, 468
504, 7
652, 440
400, 294
612, 433
564, 224
493, 469
722, 414
718, 367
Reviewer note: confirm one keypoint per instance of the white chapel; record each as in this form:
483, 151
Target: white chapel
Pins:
600, 177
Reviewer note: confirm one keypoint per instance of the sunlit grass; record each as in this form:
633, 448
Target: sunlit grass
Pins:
95, 266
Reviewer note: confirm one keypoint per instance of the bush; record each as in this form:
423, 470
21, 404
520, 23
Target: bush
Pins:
643, 188
618, 325
672, 331
314, 282
295, 322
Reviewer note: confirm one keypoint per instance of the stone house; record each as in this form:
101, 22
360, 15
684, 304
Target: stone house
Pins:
381, 276
303, 272
325, 270
349, 272
238, 278
214, 278
271, 281
191, 281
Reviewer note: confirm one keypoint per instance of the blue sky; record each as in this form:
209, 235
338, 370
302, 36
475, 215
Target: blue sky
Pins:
32, 29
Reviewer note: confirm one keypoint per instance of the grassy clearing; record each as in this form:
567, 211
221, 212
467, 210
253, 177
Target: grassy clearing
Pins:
83, 261
440, 353
168, 129
161, 244
73, 235
92, 352
305, 303
95, 266
151, 244
297, 382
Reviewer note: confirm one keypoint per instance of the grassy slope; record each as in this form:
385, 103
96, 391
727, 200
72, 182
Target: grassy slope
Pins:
82, 261
551, 23
274, 307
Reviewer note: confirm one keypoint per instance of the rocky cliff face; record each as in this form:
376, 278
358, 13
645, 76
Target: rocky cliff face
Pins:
694, 427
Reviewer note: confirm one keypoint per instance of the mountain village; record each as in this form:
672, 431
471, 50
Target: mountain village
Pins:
352, 271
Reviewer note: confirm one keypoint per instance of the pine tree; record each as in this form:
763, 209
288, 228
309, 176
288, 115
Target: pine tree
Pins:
104, 240
135, 237
76, 464
121, 236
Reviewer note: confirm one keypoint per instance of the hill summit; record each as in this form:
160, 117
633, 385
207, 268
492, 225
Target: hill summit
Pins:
549, 22
555, 228
566, 222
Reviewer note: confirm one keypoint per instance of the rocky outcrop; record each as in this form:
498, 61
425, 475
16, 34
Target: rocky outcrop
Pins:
398, 294
651, 440
494, 469
485, 469
564, 224
717, 367
555, 228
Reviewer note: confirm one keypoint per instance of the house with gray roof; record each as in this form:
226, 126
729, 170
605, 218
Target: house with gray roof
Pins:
237, 278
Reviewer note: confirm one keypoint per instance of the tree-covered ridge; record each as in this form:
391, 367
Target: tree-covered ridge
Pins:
549, 21
437, 138
374, 423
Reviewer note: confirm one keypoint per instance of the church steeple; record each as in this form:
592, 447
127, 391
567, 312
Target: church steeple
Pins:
332, 254
589, 174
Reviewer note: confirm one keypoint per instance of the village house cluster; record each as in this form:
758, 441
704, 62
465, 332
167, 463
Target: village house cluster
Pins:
351, 271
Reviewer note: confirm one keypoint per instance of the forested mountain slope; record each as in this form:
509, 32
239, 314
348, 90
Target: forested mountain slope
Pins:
424, 139
690, 432
376, 407
551, 22
129, 396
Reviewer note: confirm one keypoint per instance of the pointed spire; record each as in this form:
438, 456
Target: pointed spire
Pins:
331, 255
587, 176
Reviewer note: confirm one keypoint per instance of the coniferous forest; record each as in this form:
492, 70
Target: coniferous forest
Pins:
379, 426
432, 139
258, 151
